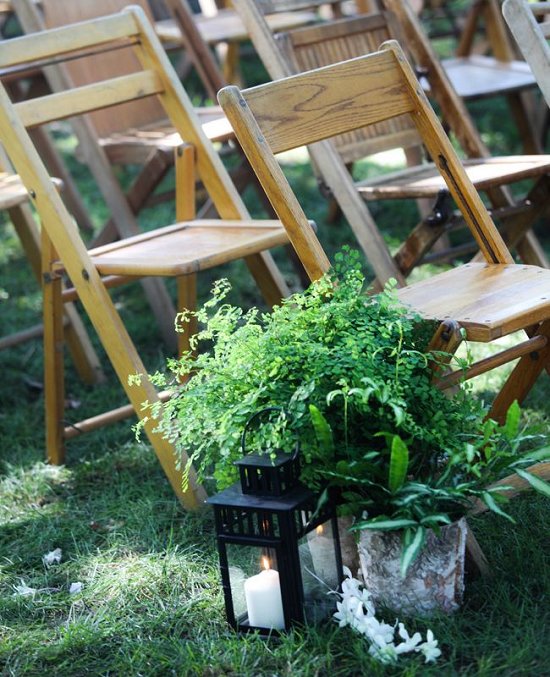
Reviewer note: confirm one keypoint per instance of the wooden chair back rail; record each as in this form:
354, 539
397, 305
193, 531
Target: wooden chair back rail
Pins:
381, 99
311, 47
302, 114
68, 39
89, 98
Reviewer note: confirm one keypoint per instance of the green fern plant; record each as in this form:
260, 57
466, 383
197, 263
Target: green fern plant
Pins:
351, 379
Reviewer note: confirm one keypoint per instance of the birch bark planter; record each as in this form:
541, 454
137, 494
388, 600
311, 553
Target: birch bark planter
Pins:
434, 582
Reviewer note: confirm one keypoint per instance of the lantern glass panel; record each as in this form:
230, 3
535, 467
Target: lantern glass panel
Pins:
255, 586
320, 572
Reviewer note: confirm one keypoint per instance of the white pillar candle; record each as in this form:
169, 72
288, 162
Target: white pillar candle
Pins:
263, 600
321, 546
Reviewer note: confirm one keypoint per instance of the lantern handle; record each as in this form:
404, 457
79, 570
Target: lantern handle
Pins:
256, 415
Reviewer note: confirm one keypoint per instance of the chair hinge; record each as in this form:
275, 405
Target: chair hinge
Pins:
441, 211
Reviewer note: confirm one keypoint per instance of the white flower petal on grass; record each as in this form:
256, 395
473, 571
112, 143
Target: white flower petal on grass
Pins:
75, 588
429, 648
23, 589
53, 557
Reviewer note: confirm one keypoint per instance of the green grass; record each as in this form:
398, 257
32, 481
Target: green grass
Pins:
151, 602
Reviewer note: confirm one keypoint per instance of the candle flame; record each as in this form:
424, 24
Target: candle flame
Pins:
265, 562
319, 530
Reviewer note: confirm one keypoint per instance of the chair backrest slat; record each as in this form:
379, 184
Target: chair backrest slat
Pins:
66, 39
343, 101
88, 98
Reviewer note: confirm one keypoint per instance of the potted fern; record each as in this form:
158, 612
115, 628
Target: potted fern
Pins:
352, 378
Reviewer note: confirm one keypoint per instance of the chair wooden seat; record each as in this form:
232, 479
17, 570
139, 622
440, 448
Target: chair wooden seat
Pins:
478, 76
187, 247
227, 26
488, 300
426, 181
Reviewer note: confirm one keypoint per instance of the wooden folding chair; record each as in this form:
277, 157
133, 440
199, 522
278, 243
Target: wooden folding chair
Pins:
476, 301
321, 45
14, 201
180, 250
531, 37
139, 134
493, 71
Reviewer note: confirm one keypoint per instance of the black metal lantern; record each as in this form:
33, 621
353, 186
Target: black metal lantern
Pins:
279, 552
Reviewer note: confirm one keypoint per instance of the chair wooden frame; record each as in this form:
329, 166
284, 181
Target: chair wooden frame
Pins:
473, 301
180, 250
531, 37
352, 37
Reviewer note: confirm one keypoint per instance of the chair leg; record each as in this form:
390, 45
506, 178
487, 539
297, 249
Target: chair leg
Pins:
475, 557
418, 243
523, 376
54, 386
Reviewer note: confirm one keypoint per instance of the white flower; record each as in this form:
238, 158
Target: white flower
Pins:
75, 587
378, 632
53, 557
410, 642
429, 648
357, 610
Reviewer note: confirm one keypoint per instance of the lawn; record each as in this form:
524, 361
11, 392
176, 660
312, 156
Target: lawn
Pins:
150, 601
